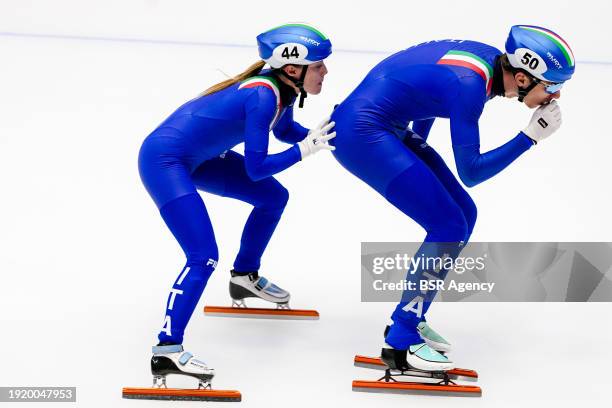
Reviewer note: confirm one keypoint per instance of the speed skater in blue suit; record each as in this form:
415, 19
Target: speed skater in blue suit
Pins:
382, 129
191, 151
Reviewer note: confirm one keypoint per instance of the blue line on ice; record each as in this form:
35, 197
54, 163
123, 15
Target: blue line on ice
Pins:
195, 43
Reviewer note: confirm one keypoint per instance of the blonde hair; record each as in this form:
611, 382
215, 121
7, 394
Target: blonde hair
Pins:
247, 73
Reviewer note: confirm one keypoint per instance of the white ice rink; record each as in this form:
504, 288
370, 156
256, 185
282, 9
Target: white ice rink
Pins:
86, 262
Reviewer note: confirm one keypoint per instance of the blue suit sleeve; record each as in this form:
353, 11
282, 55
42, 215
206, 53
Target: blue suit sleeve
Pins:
422, 127
288, 130
260, 108
475, 167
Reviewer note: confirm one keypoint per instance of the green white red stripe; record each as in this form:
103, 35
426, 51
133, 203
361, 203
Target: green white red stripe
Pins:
558, 41
471, 61
302, 25
269, 83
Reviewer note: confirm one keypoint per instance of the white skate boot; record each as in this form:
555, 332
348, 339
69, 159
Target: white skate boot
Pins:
253, 285
417, 356
172, 359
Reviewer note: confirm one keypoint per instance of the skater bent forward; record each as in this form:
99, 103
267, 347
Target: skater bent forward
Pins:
451, 79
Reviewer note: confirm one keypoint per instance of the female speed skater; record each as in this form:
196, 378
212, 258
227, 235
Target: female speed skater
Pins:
191, 150
443, 79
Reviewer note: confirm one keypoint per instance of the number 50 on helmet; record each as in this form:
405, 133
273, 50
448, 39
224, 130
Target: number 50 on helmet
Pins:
298, 44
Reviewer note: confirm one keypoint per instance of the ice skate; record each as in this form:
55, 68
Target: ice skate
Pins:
426, 372
376, 363
172, 359
417, 356
432, 338
251, 285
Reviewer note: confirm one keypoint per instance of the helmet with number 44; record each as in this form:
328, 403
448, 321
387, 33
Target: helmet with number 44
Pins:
297, 44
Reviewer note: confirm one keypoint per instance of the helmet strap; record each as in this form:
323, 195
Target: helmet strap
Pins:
299, 83
301, 86
523, 91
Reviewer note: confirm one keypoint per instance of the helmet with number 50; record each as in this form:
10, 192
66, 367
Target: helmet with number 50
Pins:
294, 44
540, 52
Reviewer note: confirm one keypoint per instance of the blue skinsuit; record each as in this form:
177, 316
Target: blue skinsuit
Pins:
190, 151
440, 79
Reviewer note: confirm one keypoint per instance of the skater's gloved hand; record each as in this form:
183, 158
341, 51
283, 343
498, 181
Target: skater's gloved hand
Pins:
321, 125
544, 122
317, 139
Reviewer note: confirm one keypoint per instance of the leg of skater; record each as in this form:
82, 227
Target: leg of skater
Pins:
418, 193
409, 184
437, 165
226, 176
439, 168
168, 181
188, 220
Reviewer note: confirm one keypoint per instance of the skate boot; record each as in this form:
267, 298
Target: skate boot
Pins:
433, 339
172, 359
417, 356
424, 369
251, 285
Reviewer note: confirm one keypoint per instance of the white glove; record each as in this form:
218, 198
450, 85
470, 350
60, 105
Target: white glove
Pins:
544, 122
317, 139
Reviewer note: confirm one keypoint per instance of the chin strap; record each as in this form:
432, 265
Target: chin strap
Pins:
299, 83
522, 92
